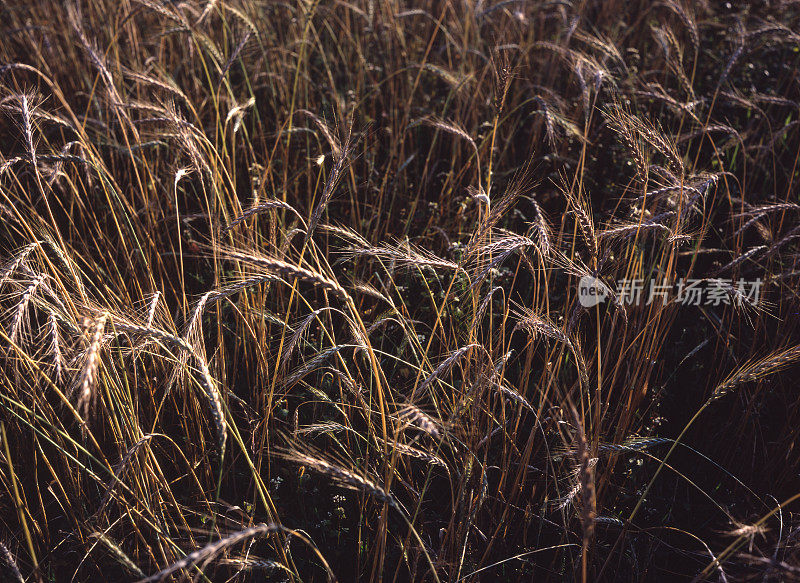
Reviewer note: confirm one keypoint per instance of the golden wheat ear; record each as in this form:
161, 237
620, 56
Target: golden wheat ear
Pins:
341, 475
11, 563
87, 379
756, 370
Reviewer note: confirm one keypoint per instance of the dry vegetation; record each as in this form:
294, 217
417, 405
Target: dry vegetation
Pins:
289, 290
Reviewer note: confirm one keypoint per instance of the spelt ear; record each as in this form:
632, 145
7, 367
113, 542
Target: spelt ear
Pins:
11, 265
330, 185
18, 319
586, 481
756, 370
417, 417
213, 549
286, 270
11, 563
259, 208
87, 379
340, 475
446, 364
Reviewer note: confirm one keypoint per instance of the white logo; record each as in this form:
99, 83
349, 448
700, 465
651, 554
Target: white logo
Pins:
591, 291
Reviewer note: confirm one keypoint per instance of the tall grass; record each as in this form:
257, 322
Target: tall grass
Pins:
290, 290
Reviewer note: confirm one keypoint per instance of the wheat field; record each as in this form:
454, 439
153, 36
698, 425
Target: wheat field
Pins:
394, 291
